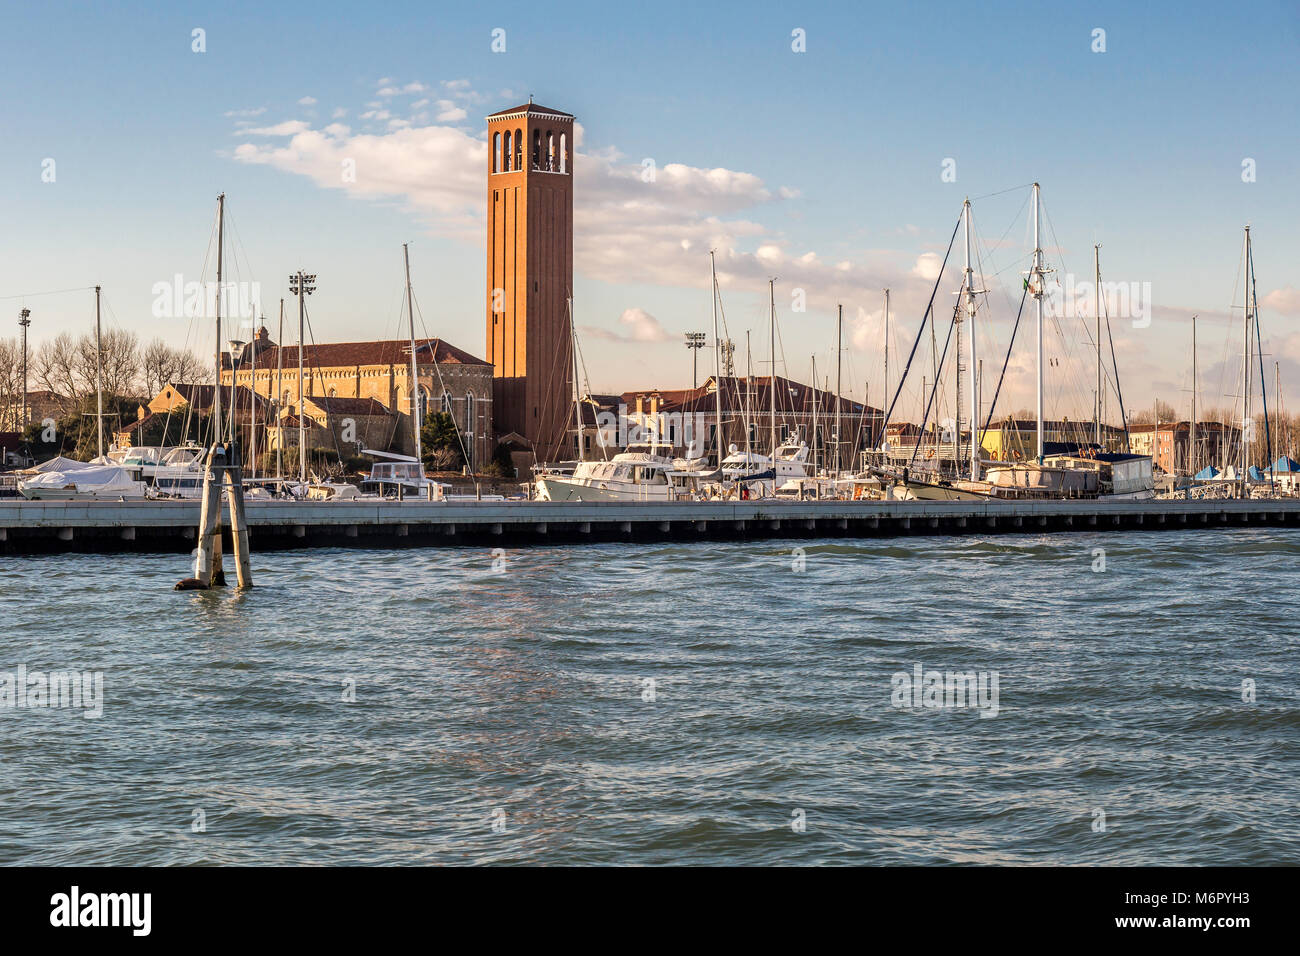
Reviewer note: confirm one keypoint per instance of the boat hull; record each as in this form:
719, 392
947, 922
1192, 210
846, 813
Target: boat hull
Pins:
563, 489
71, 494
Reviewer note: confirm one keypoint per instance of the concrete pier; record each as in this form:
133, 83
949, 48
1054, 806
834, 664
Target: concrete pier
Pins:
53, 526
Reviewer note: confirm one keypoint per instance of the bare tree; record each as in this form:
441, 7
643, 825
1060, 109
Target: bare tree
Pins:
120, 362
11, 384
55, 368
160, 364
1146, 416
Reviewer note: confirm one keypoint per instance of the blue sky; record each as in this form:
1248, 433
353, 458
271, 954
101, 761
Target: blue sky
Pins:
821, 167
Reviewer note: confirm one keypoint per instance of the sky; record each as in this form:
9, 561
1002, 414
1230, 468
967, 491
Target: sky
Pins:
829, 146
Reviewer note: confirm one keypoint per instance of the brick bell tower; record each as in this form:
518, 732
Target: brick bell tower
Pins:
530, 275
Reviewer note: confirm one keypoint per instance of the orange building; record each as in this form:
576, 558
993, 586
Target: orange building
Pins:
530, 275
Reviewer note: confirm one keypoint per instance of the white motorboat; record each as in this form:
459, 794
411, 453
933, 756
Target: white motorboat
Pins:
638, 474
176, 473
398, 476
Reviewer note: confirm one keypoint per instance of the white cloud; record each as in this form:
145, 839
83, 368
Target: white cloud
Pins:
1285, 300
450, 112
927, 266
391, 165
246, 113
642, 326
638, 324
408, 89
287, 128
626, 230
307, 101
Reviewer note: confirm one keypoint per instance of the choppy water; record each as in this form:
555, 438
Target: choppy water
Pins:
524, 692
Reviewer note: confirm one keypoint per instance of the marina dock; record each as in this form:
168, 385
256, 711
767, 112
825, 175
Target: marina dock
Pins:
28, 527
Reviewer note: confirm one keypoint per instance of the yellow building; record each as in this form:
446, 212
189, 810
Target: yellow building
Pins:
448, 379
1017, 439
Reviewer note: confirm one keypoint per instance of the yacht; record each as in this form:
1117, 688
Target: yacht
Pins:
172, 473
641, 473
398, 476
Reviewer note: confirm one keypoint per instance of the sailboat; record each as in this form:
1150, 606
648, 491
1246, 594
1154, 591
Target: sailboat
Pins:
1078, 472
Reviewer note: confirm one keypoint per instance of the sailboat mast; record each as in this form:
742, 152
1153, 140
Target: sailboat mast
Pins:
279, 395
252, 403
416, 423
956, 431
216, 389
1038, 299
1245, 363
99, 381
1279, 417
577, 393
749, 395
972, 368
302, 428
1191, 442
814, 414
886, 391
717, 360
771, 290
1096, 288
839, 370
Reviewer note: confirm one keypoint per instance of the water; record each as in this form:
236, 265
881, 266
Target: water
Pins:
519, 697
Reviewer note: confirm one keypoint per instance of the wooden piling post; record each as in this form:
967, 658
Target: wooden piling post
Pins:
238, 523
220, 479
209, 549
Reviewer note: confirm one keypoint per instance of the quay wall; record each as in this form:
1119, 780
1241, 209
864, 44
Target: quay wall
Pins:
54, 526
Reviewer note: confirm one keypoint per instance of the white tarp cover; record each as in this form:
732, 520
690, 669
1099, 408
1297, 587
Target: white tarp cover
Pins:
102, 480
61, 464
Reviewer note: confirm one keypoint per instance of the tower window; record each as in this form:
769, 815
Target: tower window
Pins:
519, 149
496, 152
506, 167
564, 152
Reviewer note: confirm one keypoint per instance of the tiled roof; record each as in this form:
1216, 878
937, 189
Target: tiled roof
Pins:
532, 108
136, 425
347, 406
351, 354
199, 397
790, 396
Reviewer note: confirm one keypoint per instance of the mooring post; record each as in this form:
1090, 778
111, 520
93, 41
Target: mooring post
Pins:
216, 474
207, 557
238, 521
